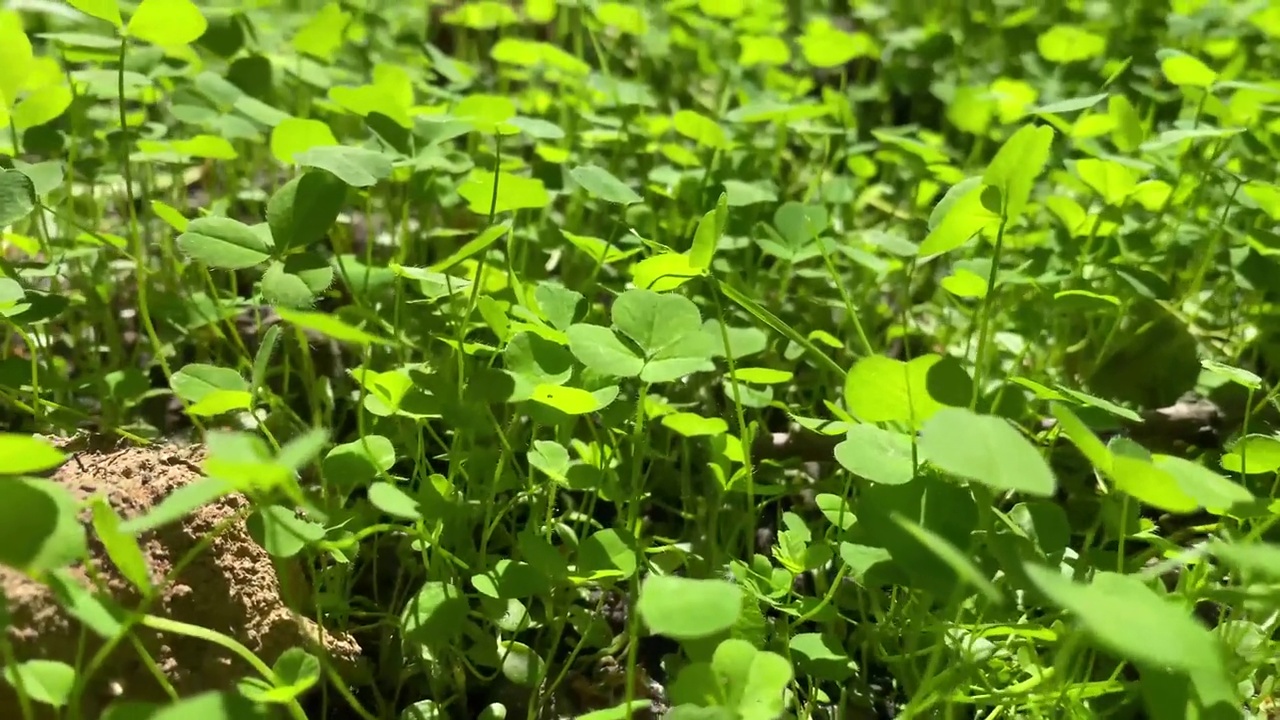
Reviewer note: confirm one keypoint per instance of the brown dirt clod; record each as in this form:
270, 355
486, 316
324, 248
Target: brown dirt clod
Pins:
231, 586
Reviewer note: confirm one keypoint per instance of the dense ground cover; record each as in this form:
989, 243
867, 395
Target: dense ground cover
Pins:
701, 359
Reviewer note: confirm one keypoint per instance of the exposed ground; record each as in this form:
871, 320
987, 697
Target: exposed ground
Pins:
212, 575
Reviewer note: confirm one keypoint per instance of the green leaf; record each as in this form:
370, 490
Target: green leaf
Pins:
537, 128
552, 459
178, 504
197, 381
876, 454
670, 369
821, 655
668, 329
42, 530
394, 501
655, 321
475, 245
600, 183
542, 555
303, 449
42, 105
690, 424
435, 615
213, 147
170, 215
244, 461
100, 614
219, 705
617, 712
324, 32
598, 250
354, 166
17, 196
959, 217
1187, 71
520, 664
742, 341
45, 681
965, 283
25, 454
121, 547
835, 509
488, 114
608, 554
302, 210
1129, 132
297, 135
707, 236
1127, 617
557, 303
829, 47
739, 193
882, 389
359, 461
863, 559
514, 192
1017, 164
533, 360
1261, 560
47, 176
1084, 301
221, 401
222, 242
297, 671
800, 224
108, 10
372, 102
16, 61
12, 297
753, 682
986, 449
297, 281
427, 710
1113, 181
701, 129
688, 608
1239, 376
1083, 438
167, 23
1209, 489
1070, 43
1149, 483
599, 349
761, 376
573, 401
664, 272
330, 326
1069, 105
1253, 455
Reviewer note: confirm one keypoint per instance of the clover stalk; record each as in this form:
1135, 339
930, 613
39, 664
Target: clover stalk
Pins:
984, 323
141, 272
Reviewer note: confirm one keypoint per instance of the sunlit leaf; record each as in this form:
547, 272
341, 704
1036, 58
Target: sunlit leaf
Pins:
167, 22
602, 184
985, 449
1127, 617
688, 608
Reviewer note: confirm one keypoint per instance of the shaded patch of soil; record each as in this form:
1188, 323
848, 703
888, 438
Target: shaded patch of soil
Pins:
231, 586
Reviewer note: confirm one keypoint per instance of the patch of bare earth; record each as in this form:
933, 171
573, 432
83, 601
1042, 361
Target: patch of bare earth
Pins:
231, 586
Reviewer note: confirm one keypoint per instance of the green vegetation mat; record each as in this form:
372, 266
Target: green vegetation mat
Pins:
698, 359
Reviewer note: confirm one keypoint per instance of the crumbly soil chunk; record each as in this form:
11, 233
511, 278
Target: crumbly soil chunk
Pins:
230, 585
